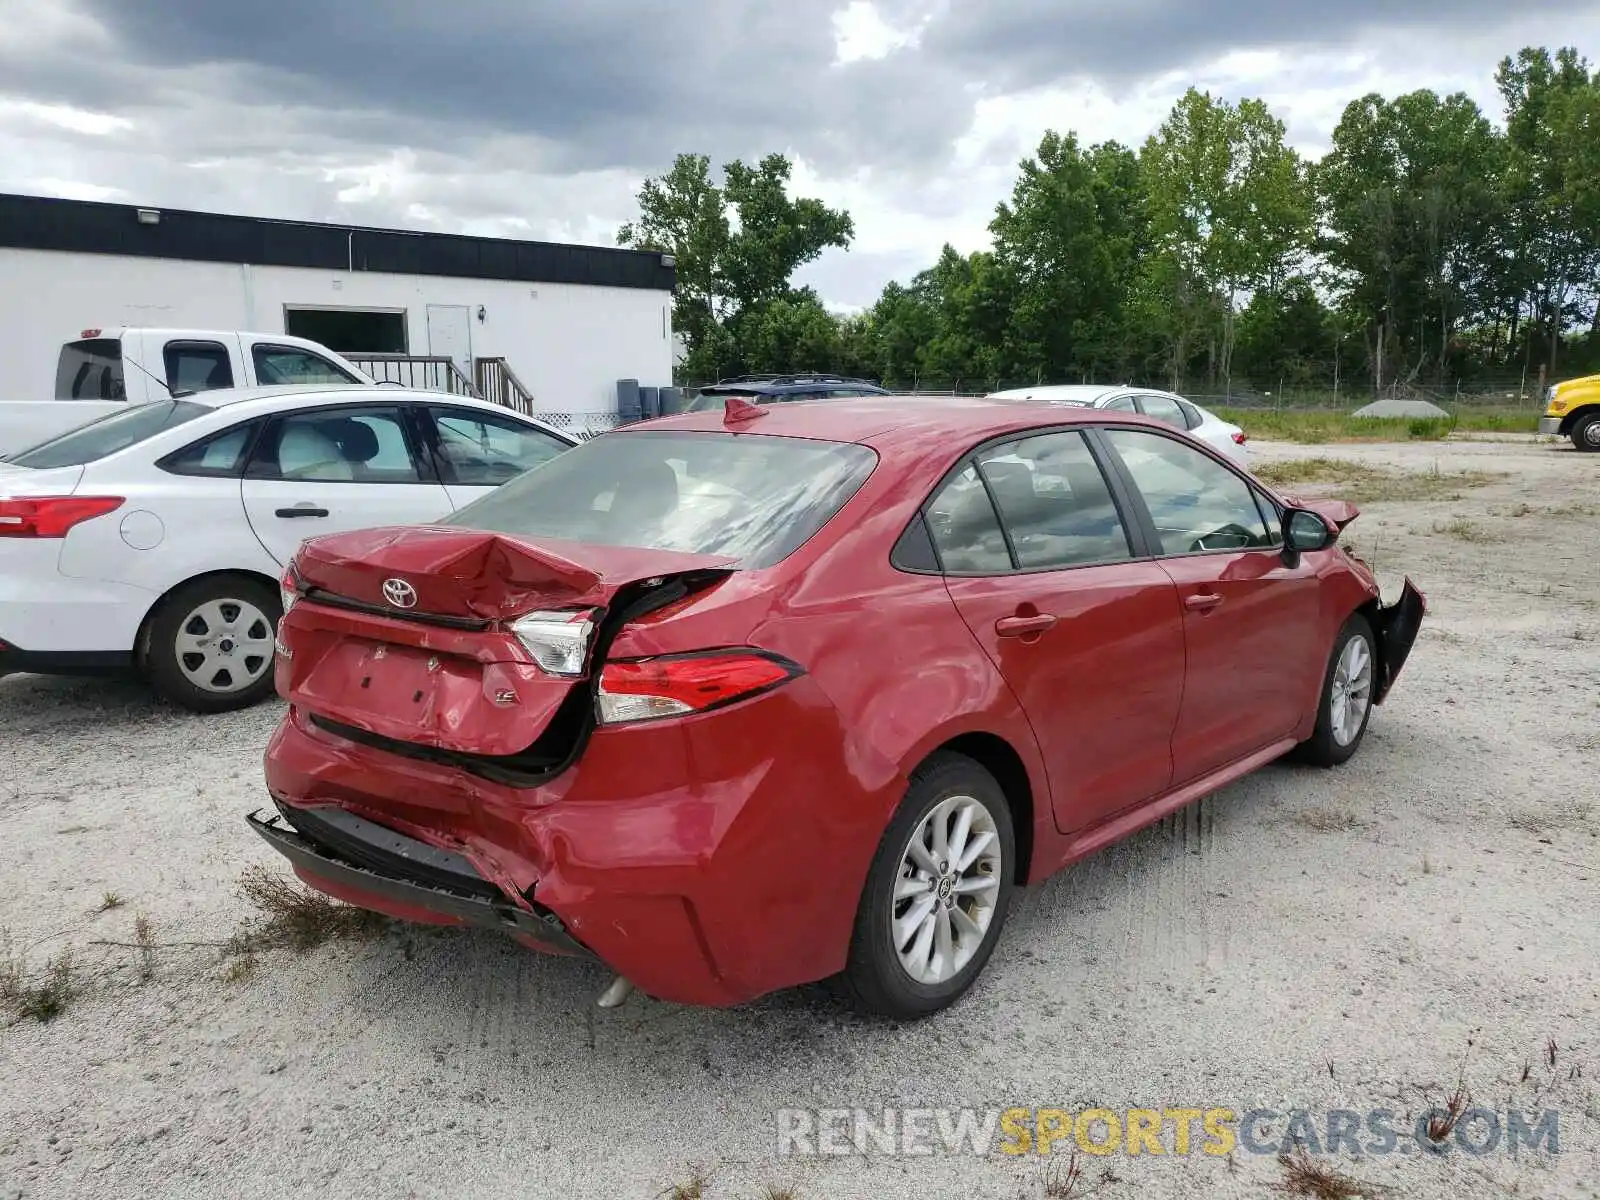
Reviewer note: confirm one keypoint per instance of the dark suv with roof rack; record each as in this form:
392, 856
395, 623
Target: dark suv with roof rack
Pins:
775, 389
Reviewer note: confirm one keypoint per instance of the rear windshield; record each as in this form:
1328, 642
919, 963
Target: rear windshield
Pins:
749, 497
94, 441
90, 370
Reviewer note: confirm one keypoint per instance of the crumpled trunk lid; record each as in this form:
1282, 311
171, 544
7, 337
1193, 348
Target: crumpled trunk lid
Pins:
406, 634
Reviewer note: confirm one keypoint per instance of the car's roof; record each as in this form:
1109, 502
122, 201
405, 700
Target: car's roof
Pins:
865, 418
1081, 393
776, 387
248, 401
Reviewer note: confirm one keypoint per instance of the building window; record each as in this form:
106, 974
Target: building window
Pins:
350, 330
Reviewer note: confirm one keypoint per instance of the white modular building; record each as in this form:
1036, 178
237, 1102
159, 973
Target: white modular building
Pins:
547, 328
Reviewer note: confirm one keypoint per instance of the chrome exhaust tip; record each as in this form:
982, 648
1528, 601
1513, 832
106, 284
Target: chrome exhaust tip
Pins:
616, 994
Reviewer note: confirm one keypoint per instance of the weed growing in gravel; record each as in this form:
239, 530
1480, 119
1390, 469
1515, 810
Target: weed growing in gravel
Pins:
43, 1000
108, 901
144, 936
778, 1193
296, 917
1305, 1176
693, 1188
1466, 530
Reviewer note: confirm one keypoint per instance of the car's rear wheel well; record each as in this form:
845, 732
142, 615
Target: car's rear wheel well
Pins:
141, 644
995, 755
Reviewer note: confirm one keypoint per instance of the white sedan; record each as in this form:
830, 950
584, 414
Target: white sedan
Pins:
154, 539
1162, 406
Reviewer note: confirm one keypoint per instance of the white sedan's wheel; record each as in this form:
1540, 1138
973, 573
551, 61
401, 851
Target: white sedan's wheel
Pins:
224, 645
211, 643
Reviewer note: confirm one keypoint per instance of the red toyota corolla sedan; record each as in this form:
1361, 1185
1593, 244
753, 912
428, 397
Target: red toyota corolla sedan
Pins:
739, 700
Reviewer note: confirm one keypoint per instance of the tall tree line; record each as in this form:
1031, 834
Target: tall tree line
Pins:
1430, 245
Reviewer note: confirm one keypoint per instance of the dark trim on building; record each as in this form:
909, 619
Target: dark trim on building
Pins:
92, 227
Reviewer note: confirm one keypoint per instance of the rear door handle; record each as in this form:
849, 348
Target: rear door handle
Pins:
1023, 626
1202, 602
302, 510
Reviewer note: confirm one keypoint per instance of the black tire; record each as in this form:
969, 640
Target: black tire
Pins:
1323, 749
162, 665
1586, 433
874, 980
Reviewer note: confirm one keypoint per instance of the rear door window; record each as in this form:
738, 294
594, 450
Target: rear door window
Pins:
94, 441
1054, 502
197, 366
1164, 409
338, 445
91, 370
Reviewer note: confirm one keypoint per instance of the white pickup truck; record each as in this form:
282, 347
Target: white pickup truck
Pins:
105, 370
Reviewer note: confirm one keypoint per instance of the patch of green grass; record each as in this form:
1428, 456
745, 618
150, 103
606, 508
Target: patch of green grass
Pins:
1466, 530
108, 901
1315, 426
1362, 484
43, 999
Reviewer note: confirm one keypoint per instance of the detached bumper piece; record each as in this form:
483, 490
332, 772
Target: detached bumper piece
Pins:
1550, 426
369, 865
1398, 626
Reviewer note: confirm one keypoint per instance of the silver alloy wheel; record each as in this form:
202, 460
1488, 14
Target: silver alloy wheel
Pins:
1591, 433
945, 894
1351, 690
224, 645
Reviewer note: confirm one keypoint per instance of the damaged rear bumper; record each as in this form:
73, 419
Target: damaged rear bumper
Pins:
1397, 626
376, 868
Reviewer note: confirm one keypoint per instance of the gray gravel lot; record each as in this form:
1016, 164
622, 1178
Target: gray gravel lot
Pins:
1314, 939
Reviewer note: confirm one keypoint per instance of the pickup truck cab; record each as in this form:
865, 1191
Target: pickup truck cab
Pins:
1572, 410
105, 370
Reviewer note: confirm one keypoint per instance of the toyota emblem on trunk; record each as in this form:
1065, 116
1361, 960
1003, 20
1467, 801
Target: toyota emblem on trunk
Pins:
399, 593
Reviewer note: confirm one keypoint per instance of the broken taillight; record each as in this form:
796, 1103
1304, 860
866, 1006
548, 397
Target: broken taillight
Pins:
558, 641
1239, 438
51, 516
648, 689
289, 589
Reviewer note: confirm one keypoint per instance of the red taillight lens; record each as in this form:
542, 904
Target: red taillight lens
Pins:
1239, 438
672, 687
51, 516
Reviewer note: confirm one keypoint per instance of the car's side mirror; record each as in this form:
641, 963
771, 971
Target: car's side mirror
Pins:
1305, 531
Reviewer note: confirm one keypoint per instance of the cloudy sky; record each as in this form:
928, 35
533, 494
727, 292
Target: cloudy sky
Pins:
527, 118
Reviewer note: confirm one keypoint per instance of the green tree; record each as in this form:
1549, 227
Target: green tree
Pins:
737, 247
1230, 211
1410, 204
1070, 241
1550, 187
685, 214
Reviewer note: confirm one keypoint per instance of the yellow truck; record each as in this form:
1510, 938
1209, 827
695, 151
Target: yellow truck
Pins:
1572, 410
